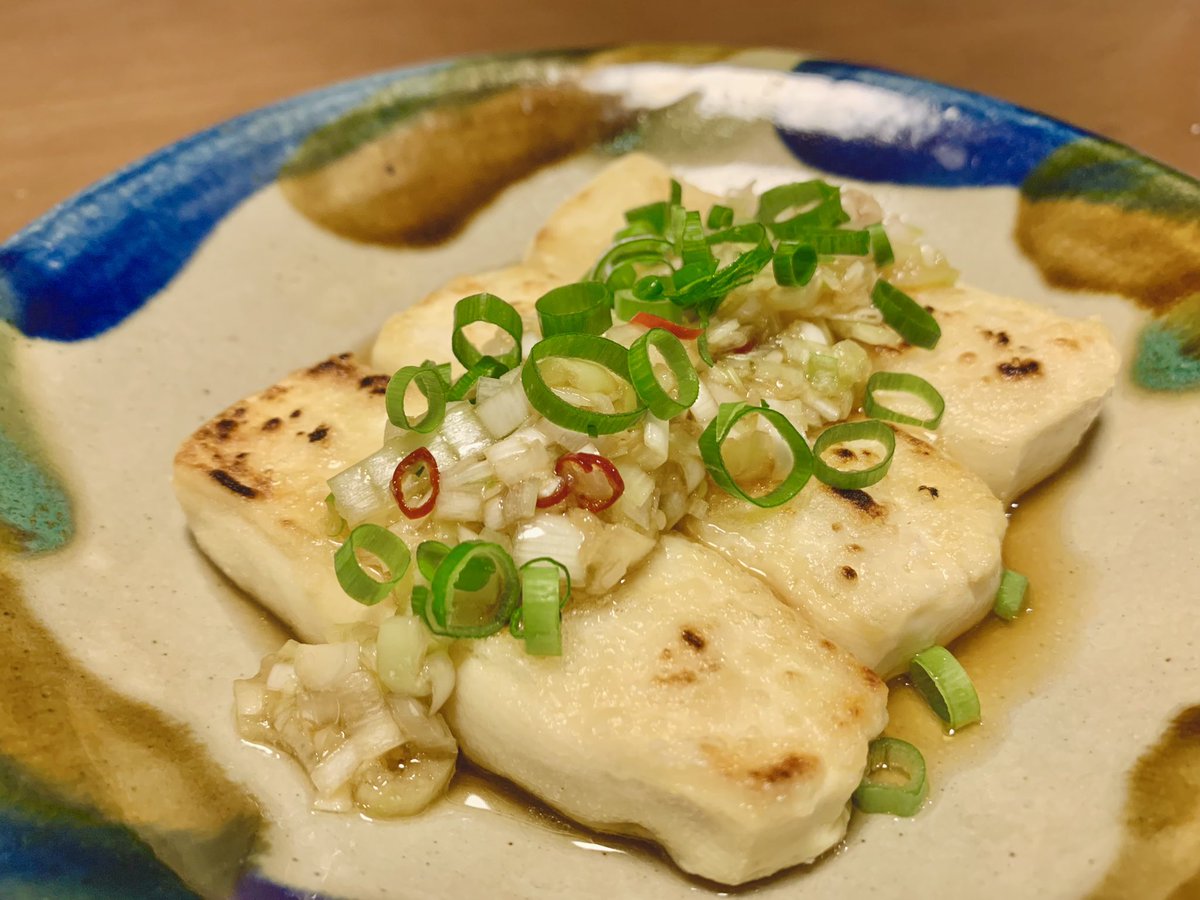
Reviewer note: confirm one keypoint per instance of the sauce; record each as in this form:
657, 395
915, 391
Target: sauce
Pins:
1007, 661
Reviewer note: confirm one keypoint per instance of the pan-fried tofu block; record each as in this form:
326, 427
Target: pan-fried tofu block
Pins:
562, 251
252, 484
691, 706
573, 238
423, 331
911, 561
1022, 384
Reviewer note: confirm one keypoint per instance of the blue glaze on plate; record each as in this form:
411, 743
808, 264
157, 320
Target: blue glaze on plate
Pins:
95, 259
946, 138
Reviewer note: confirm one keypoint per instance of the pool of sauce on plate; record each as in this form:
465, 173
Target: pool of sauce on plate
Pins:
1009, 662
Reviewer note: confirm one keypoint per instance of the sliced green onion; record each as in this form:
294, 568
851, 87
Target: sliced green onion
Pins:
881, 247
334, 521
676, 192
835, 241
592, 348
641, 373
429, 383
819, 203
541, 610
945, 685
516, 625
720, 217
473, 617
702, 347
491, 309
488, 366
652, 216
429, 556
636, 249
1010, 599
870, 430
794, 264
626, 306
622, 277
908, 384
356, 581
713, 437
650, 287
881, 791
706, 294
441, 369
905, 316
584, 307
693, 247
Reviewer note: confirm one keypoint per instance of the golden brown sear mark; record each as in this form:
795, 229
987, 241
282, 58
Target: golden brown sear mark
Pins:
999, 338
680, 676
272, 423
318, 434
226, 480
844, 453
849, 573
693, 639
791, 767
1018, 368
338, 366
861, 500
376, 384
931, 491
225, 427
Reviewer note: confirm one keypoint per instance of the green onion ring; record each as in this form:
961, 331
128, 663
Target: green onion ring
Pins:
693, 247
718, 430
794, 264
945, 685
881, 247
869, 430
824, 200
429, 383
355, 581
652, 215
491, 309
895, 799
540, 614
592, 348
835, 241
1010, 599
445, 585
908, 384
676, 192
429, 556
637, 249
442, 370
641, 373
584, 307
906, 317
622, 278
719, 217
706, 294
487, 367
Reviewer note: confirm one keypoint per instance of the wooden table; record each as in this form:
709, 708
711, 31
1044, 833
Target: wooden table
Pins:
88, 85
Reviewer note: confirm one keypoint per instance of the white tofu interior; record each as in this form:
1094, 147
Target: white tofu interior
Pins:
689, 705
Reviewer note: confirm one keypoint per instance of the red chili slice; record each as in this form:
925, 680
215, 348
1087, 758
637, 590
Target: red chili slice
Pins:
586, 462
556, 496
649, 320
746, 347
419, 457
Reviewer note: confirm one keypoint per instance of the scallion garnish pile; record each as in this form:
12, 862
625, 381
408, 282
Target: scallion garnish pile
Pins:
700, 343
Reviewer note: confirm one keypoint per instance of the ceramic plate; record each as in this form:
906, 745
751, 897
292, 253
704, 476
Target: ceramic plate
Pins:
206, 271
